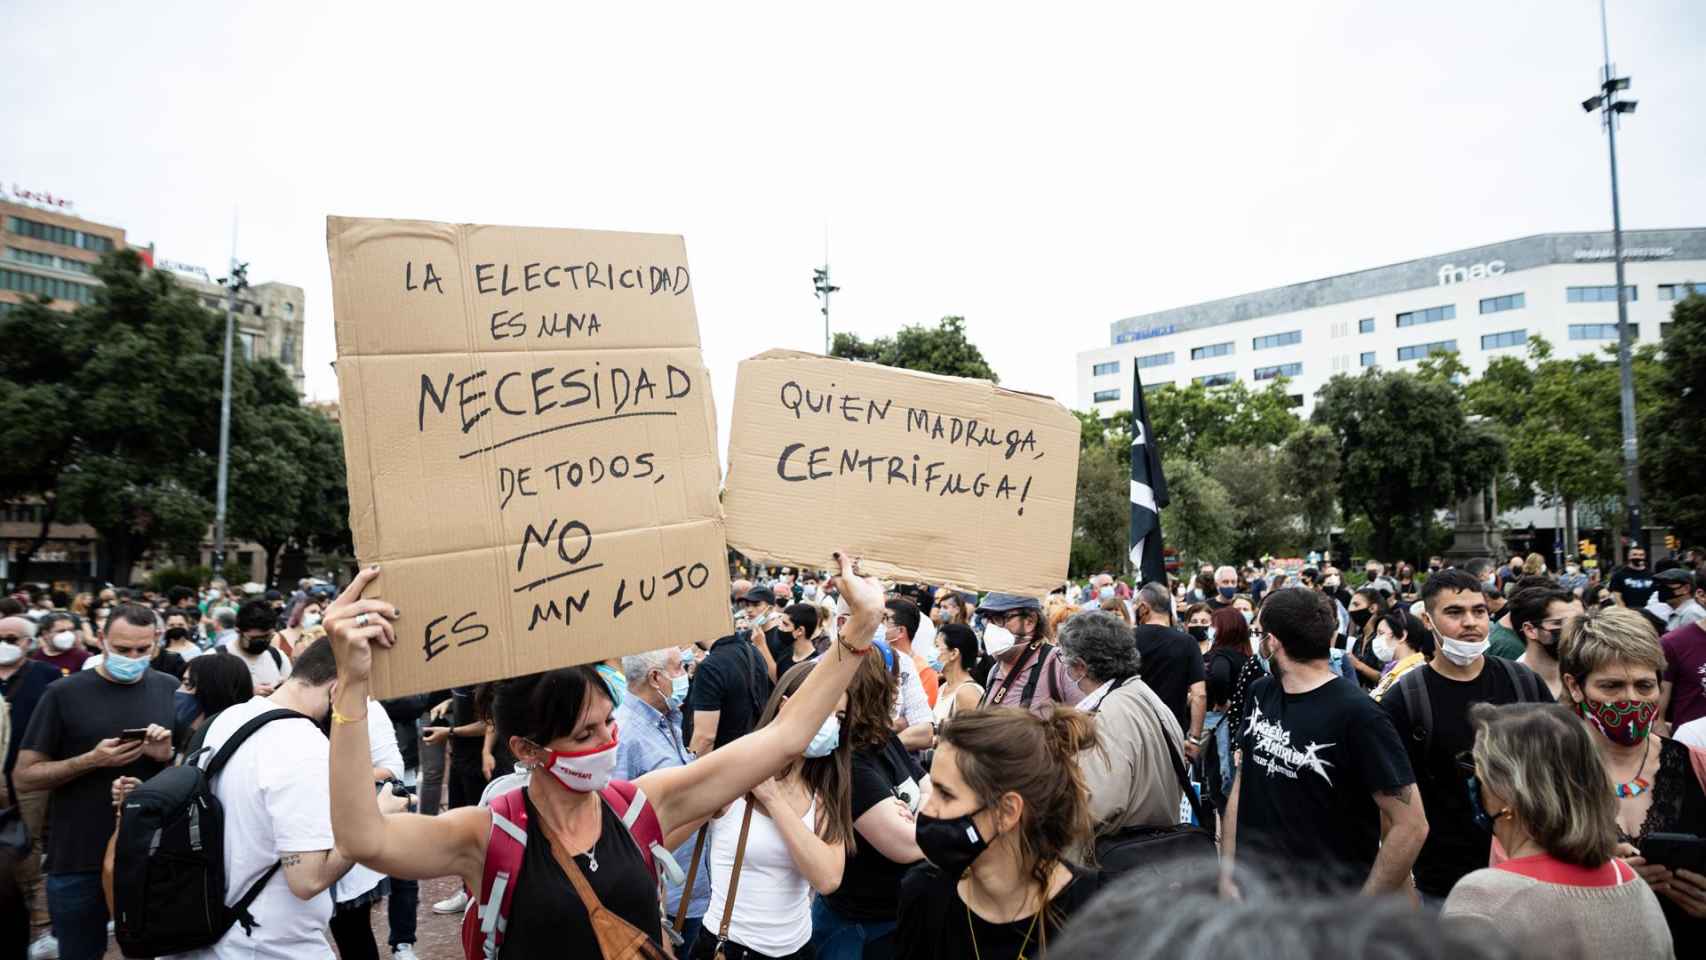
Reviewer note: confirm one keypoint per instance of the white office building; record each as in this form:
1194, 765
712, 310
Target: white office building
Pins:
1480, 303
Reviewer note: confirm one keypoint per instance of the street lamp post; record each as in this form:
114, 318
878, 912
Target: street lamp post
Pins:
821, 284
1610, 108
235, 284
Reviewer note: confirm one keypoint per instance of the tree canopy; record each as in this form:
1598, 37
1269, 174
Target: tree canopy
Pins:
110, 415
940, 349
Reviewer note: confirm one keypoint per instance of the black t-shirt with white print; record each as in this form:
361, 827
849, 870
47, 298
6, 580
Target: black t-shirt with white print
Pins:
1312, 764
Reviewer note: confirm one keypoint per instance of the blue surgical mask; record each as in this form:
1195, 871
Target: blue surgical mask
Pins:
1227, 593
1105, 593
827, 739
809, 591
678, 689
1248, 616
124, 669
687, 657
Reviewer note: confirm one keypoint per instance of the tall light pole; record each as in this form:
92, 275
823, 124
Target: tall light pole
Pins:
1610, 107
821, 284
235, 284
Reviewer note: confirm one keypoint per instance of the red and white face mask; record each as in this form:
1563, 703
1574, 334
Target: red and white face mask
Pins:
585, 771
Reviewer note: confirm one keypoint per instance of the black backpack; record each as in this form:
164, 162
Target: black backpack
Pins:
169, 861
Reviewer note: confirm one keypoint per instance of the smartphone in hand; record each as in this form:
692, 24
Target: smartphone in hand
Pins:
134, 733
1678, 851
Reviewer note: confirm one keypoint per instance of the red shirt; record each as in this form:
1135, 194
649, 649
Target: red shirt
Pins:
68, 662
1685, 671
1549, 869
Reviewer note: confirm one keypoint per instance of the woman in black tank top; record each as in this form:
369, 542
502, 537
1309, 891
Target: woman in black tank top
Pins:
559, 724
547, 919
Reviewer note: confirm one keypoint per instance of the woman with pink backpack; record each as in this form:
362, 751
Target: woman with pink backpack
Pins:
569, 858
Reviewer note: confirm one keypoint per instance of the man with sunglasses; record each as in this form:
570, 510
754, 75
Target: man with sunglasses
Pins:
1028, 672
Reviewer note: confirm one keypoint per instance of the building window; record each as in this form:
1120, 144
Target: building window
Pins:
1103, 369
34, 285
1601, 331
1276, 340
289, 309
1212, 350
1430, 315
287, 352
1420, 350
1156, 385
1679, 291
1368, 358
1500, 341
48, 260
1294, 399
1216, 379
1605, 294
1511, 301
64, 236
1103, 396
1154, 360
1279, 370
1365, 325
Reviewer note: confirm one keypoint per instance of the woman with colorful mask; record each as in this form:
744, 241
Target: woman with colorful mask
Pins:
1535, 783
1610, 662
794, 846
1008, 803
580, 859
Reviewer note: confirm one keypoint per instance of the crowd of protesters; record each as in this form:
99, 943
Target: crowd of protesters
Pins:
1490, 757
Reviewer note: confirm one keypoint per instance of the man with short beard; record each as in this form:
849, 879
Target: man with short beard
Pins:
1538, 614
256, 624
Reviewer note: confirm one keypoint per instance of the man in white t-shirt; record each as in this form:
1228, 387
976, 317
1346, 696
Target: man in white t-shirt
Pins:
257, 623
276, 813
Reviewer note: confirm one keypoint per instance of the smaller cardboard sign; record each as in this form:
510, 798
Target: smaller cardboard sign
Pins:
934, 479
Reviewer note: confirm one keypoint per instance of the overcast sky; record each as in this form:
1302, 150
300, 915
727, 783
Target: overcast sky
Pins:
1043, 171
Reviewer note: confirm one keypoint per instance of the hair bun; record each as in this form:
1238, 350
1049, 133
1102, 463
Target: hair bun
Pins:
1068, 731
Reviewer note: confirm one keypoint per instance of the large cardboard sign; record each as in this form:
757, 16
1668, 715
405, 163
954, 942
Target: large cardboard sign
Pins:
531, 445
935, 479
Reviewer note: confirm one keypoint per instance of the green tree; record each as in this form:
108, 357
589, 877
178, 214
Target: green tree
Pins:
1195, 420
940, 349
1309, 466
1262, 504
1102, 515
137, 364
1673, 432
1407, 450
1561, 421
1197, 521
111, 416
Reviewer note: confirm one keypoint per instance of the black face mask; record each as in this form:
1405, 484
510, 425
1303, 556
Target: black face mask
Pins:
176, 633
257, 644
951, 845
1199, 632
1360, 617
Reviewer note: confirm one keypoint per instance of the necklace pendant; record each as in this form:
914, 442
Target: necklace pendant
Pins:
592, 861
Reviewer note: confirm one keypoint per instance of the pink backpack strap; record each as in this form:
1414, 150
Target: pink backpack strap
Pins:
484, 922
630, 803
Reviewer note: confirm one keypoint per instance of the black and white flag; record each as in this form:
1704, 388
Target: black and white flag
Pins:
1148, 492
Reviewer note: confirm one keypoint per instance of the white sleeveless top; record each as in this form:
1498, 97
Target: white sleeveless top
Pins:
773, 905
945, 700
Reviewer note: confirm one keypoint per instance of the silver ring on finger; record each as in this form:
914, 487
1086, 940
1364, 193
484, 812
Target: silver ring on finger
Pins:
361, 620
